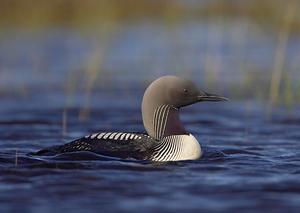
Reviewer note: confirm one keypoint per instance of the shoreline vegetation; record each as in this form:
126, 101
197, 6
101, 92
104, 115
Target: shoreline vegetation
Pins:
80, 14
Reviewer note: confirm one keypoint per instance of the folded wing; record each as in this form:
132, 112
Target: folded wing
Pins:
113, 144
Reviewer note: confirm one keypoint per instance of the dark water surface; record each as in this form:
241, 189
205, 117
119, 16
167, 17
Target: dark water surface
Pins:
251, 160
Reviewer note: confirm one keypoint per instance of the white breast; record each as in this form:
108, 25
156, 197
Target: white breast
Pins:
191, 148
177, 148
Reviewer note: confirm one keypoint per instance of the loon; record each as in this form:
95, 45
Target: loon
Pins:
167, 139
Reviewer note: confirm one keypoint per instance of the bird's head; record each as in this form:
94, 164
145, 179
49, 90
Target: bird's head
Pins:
177, 92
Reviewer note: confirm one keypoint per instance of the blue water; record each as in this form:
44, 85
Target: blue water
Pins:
225, 52
250, 163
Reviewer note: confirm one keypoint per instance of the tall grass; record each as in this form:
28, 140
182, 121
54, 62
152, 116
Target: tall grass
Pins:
64, 122
279, 60
91, 72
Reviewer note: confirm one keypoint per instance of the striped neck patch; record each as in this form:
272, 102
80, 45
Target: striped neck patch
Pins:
160, 120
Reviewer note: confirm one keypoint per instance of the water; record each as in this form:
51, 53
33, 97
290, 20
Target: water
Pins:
250, 163
226, 52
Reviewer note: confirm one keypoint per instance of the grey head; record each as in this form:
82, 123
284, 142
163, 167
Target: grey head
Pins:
162, 101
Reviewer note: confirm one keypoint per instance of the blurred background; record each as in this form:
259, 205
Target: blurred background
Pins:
246, 49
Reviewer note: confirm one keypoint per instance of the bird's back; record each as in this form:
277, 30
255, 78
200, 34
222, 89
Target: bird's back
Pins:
113, 144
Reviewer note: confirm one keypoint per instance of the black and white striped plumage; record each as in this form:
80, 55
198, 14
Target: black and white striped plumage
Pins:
160, 120
113, 144
129, 146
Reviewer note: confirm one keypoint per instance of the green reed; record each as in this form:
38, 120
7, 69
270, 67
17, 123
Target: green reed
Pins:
279, 59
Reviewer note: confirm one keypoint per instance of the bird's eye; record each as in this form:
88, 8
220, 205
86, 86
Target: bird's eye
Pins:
185, 91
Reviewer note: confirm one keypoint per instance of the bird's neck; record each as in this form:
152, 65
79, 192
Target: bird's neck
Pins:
165, 122
174, 125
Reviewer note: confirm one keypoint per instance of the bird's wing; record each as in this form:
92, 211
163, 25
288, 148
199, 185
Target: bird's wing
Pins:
114, 144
